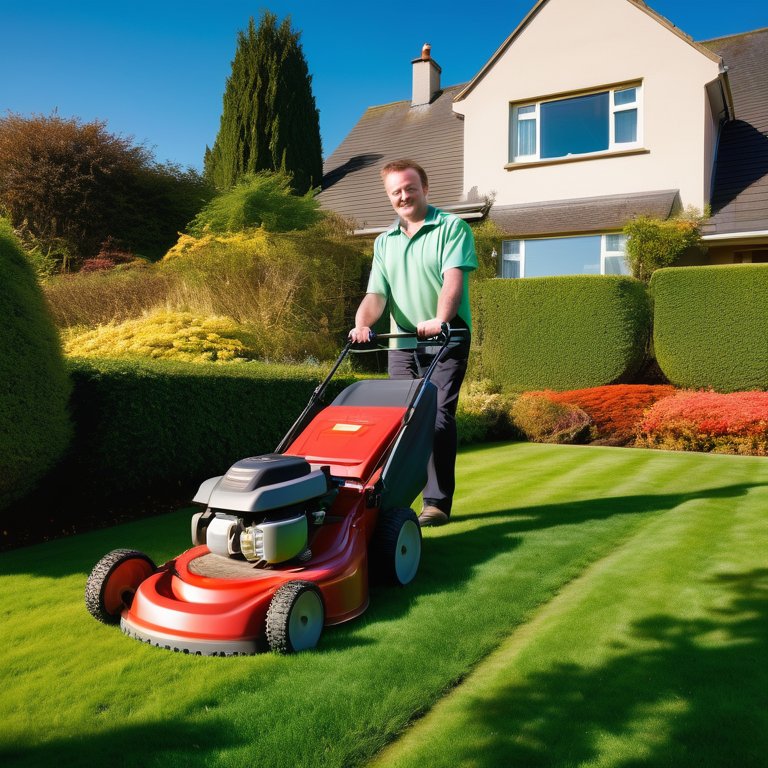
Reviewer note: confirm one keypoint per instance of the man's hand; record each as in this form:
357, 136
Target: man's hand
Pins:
429, 328
360, 334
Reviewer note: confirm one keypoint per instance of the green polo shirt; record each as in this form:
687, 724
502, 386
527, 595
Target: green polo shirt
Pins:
408, 272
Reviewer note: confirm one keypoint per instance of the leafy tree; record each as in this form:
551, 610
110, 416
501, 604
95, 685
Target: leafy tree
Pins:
655, 243
68, 186
269, 119
262, 199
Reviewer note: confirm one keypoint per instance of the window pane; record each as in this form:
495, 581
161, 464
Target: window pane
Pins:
526, 137
510, 268
563, 256
628, 96
613, 242
575, 126
626, 126
510, 247
529, 110
616, 265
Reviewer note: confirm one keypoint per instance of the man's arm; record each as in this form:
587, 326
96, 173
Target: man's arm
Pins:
369, 311
447, 303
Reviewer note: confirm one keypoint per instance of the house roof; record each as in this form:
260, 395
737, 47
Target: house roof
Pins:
431, 134
740, 190
586, 214
709, 53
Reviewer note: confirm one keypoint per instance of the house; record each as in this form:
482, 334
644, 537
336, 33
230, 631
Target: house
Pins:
588, 115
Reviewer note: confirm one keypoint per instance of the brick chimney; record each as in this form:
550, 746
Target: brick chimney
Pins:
426, 77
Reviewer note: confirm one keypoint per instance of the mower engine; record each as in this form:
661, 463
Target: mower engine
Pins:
276, 498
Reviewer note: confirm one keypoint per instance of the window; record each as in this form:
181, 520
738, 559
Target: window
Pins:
587, 255
604, 121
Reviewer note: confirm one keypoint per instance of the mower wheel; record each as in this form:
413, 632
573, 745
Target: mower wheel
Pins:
396, 546
114, 581
295, 617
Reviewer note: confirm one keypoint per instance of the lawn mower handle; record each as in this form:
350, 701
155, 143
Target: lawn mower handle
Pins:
444, 337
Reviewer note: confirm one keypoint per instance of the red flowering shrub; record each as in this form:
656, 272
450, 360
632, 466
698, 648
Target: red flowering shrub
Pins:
542, 420
708, 421
615, 409
97, 264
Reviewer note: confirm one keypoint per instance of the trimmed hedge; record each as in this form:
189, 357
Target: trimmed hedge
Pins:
145, 423
711, 326
561, 333
34, 425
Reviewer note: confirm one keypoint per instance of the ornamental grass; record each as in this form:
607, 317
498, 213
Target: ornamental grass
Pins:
542, 420
483, 414
734, 423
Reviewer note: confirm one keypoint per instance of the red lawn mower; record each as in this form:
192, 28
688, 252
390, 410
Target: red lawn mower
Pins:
288, 539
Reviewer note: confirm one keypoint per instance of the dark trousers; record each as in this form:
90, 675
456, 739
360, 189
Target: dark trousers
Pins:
447, 377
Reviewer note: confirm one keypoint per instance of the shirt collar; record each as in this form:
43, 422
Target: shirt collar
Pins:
429, 221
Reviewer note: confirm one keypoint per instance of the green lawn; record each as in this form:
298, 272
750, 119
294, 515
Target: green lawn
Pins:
636, 526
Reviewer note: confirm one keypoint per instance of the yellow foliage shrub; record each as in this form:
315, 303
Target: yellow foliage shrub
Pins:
250, 240
167, 335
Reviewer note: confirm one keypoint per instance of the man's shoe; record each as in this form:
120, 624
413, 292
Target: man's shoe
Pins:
431, 517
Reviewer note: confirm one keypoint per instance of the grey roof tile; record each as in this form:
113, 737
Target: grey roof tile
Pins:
432, 135
588, 214
740, 191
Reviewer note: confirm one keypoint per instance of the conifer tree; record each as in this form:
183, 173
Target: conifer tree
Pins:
269, 119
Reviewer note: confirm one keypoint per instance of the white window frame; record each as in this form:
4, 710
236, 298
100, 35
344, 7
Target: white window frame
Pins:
520, 256
604, 252
613, 109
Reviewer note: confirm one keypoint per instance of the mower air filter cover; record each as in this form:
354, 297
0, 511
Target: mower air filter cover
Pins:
276, 541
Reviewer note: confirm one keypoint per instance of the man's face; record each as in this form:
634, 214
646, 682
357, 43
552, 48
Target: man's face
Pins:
408, 197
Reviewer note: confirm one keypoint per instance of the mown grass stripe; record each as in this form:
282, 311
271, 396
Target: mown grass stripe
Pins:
656, 654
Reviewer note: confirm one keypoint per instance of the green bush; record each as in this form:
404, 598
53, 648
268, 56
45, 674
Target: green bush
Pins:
711, 326
560, 333
143, 424
260, 199
483, 414
34, 425
488, 238
656, 243
542, 420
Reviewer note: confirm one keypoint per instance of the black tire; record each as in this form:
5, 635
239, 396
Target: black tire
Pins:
295, 617
113, 582
396, 546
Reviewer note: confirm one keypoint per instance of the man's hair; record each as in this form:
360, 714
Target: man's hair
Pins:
403, 165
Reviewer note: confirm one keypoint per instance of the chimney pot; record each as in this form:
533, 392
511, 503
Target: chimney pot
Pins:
426, 78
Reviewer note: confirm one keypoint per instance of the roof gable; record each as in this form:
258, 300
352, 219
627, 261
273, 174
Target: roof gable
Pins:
639, 4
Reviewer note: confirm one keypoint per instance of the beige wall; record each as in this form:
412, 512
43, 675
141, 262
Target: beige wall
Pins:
574, 46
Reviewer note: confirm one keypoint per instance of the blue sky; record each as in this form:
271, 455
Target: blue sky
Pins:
156, 69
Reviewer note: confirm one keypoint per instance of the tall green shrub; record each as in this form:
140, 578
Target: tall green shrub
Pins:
34, 424
711, 326
561, 333
261, 199
269, 119
656, 243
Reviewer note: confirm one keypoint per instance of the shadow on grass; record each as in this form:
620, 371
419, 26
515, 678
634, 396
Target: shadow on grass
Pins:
169, 743
80, 554
706, 680
448, 560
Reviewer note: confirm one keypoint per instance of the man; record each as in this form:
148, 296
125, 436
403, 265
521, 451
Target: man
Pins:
420, 266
